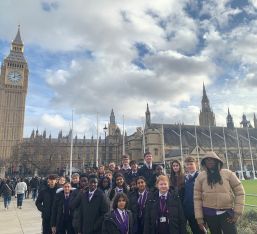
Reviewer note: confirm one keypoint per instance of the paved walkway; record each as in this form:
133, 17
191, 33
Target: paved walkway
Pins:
20, 221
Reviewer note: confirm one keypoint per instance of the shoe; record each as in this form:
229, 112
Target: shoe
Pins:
20, 207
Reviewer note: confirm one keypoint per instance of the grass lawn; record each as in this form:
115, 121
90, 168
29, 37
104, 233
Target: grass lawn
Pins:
250, 188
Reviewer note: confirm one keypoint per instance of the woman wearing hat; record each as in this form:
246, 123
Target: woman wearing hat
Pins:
219, 196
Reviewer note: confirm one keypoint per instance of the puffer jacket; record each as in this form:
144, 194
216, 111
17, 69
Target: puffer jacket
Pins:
228, 195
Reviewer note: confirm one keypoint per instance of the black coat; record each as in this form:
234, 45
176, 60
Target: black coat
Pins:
110, 225
45, 201
57, 216
134, 207
177, 221
148, 174
129, 177
6, 189
92, 212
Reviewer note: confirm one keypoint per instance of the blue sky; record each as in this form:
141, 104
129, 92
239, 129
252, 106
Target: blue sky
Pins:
92, 56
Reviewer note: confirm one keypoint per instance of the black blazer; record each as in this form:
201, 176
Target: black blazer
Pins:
57, 216
148, 174
92, 212
177, 221
110, 225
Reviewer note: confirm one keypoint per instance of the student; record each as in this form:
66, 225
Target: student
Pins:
177, 179
119, 220
147, 171
105, 186
158, 171
188, 201
119, 186
83, 188
45, 201
100, 172
133, 173
223, 194
137, 202
75, 180
61, 218
125, 168
164, 213
93, 206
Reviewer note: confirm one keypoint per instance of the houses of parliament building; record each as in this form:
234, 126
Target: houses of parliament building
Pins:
42, 153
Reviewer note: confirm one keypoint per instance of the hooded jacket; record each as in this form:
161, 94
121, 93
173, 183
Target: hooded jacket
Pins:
229, 194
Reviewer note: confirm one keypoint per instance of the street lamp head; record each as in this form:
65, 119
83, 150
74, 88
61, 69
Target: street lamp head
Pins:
105, 128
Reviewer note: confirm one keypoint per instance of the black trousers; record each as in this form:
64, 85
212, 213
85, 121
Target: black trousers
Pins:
218, 224
194, 225
66, 228
46, 224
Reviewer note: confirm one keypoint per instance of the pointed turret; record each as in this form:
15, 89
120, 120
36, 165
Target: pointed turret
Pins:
147, 117
44, 134
206, 117
17, 40
230, 122
32, 136
112, 118
245, 123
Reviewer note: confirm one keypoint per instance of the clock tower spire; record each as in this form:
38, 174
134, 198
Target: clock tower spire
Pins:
13, 90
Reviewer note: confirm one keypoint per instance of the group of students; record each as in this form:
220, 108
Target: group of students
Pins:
129, 200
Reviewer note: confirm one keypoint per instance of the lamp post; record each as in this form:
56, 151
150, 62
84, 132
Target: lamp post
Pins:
105, 132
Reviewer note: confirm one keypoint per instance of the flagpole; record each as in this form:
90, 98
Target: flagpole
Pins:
226, 151
97, 141
210, 137
163, 149
197, 149
71, 144
181, 146
123, 138
240, 158
251, 153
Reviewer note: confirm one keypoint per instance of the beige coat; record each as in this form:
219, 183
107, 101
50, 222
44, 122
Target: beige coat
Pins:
229, 194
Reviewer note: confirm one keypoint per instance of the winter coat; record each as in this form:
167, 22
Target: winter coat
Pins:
177, 221
148, 174
135, 209
6, 189
110, 225
58, 209
228, 195
92, 212
45, 201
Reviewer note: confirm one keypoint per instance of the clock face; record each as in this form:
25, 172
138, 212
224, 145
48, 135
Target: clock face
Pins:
14, 77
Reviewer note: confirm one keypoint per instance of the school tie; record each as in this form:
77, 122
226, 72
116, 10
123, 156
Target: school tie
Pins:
140, 200
190, 177
90, 194
120, 190
123, 216
163, 198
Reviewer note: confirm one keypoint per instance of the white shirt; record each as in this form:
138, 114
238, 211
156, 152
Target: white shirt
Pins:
165, 194
191, 174
91, 194
121, 212
126, 167
149, 166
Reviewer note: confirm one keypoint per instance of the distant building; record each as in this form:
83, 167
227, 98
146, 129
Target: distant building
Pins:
13, 91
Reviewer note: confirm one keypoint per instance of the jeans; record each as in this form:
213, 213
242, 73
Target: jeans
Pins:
7, 200
20, 199
218, 224
34, 194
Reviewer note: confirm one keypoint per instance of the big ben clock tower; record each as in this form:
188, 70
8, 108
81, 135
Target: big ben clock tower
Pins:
13, 90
